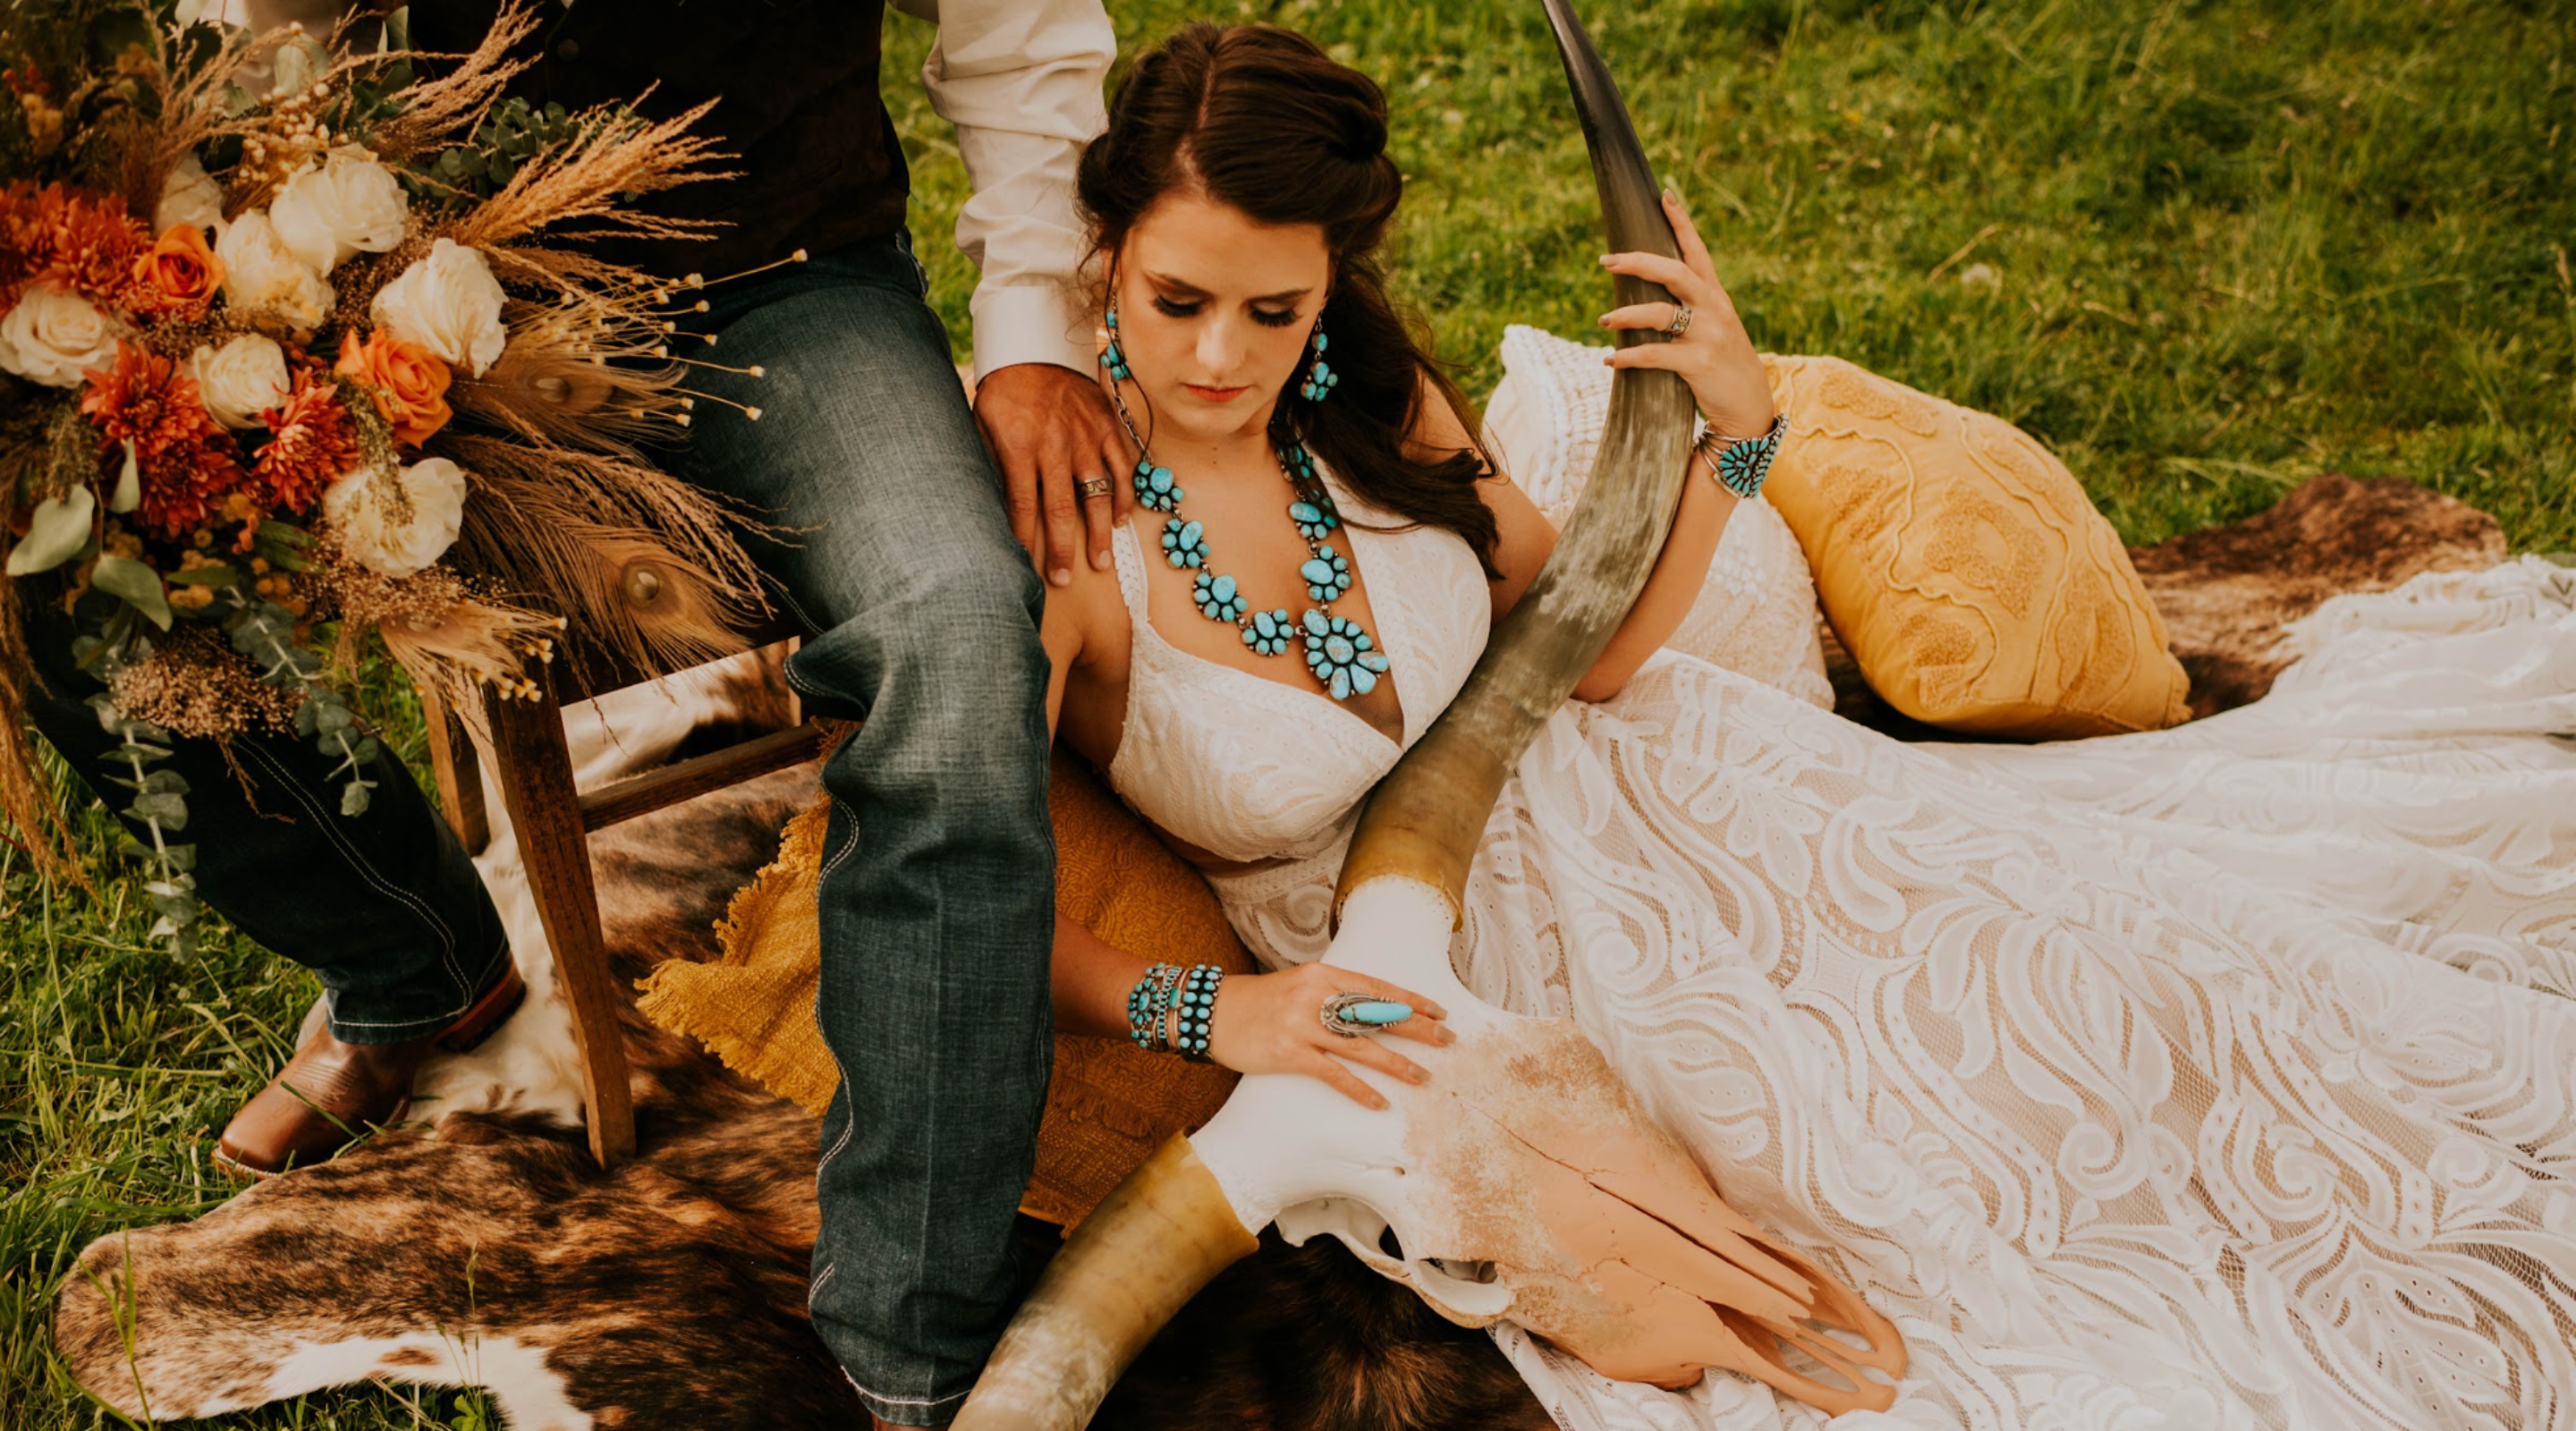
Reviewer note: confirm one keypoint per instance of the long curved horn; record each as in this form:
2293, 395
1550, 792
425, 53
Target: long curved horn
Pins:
1428, 814
1169, 1228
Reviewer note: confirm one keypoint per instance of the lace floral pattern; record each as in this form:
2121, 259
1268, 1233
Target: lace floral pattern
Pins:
2212, 1077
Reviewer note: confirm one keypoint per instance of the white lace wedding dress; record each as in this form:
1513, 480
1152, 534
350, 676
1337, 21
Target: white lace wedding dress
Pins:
2218, 1077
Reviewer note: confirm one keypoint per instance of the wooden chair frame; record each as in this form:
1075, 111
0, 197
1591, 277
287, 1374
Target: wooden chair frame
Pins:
532, 767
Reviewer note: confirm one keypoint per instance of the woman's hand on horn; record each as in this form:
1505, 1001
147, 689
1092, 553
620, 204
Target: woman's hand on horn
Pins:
1712, 353
1273, 1023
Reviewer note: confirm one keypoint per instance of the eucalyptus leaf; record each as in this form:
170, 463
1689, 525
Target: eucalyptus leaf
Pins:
170, 812
136, 585
59, 529
353, 798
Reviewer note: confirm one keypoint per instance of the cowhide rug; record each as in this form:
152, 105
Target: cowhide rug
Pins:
669, 1295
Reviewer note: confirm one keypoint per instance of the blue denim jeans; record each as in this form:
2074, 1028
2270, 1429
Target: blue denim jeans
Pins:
938, 879
384, 907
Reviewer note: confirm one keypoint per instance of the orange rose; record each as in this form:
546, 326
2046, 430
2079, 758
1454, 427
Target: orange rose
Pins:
408, 382
179, 274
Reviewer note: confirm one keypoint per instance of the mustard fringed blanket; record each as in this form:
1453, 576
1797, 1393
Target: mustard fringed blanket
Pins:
1109, 1104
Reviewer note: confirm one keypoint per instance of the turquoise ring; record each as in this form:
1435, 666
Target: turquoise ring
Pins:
1350, 1013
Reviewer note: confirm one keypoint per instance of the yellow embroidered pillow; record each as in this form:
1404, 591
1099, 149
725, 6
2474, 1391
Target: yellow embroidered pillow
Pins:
1962, 566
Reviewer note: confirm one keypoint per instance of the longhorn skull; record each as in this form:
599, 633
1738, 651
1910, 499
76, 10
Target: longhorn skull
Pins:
1522, 1180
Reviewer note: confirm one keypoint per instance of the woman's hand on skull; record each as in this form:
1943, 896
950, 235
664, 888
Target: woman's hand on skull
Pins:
1273, 1023
1714, 355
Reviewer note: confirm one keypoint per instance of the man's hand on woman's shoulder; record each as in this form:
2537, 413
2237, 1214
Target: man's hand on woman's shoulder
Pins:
1063, 461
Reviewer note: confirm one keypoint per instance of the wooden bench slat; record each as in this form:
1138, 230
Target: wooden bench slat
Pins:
683, 780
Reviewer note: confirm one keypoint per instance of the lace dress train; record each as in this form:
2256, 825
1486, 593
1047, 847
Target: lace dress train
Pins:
2212, 1077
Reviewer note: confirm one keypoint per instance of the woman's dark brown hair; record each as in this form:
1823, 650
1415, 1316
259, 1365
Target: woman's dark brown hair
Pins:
1260, 119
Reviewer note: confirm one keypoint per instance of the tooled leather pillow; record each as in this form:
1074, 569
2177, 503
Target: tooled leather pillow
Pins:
1962, 566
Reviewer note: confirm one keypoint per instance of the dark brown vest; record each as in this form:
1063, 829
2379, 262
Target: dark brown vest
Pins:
795, 85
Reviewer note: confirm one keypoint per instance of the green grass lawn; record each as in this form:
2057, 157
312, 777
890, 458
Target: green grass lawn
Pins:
2203, 250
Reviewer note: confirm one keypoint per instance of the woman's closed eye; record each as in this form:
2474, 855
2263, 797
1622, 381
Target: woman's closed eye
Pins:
1268, 318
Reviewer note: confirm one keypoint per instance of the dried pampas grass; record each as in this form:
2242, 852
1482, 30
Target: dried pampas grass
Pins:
444, 108
26, 798
586, 189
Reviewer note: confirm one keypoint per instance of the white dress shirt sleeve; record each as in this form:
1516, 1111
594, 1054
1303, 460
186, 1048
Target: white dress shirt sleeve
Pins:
1021, 80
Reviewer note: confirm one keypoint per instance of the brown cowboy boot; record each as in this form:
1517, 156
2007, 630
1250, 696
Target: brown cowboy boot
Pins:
330, 1093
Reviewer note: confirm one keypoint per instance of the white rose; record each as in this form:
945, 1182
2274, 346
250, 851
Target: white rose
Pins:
190, 196
52, 337
241, 379
448, 303
352, 204
397, 523
264, 278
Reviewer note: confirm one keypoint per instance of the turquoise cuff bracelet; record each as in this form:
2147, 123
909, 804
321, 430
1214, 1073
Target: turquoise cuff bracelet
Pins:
1197, 1011
1170, 1011
1148, 1006
1743, 463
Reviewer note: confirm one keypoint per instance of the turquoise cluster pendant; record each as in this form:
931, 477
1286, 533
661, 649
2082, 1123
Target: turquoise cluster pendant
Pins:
1339, 654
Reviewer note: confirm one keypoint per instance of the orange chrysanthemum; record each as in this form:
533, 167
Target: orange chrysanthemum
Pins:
187, 463
87, 244
311, 445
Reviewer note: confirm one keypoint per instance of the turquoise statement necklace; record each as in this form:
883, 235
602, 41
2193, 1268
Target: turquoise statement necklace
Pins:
1339, 654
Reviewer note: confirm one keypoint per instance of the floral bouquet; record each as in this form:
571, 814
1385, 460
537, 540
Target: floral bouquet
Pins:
309, 354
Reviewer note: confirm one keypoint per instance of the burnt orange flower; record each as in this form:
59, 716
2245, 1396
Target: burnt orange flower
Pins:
178, 276
186, 462
407, 382
311, 445
87, 244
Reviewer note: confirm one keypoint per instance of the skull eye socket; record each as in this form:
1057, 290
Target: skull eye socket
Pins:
1455, 1269
1481, 1273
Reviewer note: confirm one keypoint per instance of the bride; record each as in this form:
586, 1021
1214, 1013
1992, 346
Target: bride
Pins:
2216, 1076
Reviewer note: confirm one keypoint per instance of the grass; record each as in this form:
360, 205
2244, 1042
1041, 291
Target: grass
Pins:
2203, 250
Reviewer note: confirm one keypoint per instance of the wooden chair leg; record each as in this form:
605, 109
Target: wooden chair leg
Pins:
534, 767
459, 773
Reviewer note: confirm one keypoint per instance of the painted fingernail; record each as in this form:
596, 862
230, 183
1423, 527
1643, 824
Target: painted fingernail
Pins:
1100, 561
1061, 577
1605, 260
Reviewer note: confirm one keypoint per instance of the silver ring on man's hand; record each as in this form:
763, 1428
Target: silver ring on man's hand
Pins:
1092, 487
1681, 320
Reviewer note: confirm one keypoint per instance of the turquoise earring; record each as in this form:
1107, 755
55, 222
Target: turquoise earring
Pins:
1113, 357
1320, 379
1152, 482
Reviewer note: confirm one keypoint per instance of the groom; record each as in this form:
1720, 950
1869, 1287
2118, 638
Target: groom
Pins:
937, 886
